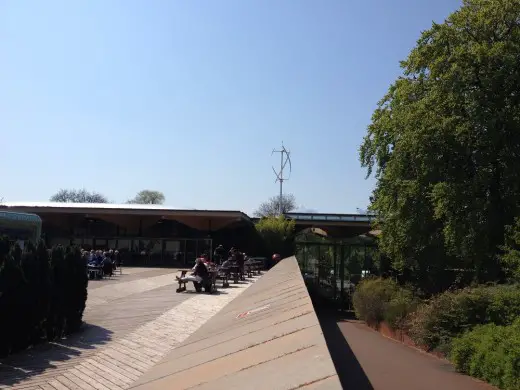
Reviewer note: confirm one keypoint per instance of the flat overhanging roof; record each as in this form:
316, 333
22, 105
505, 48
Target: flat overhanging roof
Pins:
137, 210
19, 217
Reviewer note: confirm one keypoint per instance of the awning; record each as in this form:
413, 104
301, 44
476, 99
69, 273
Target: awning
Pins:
20, 217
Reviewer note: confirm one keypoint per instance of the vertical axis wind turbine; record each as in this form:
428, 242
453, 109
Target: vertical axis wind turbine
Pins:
284, 159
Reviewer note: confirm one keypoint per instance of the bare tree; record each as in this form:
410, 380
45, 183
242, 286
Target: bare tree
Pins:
148, 197
270, 207
78, 196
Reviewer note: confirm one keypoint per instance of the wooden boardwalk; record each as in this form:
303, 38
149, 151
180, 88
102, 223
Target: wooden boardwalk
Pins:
132, 322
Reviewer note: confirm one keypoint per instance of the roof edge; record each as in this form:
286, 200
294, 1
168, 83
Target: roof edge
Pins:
111, 207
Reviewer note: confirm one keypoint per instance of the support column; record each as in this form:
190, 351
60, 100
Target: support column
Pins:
335, 273
342, 275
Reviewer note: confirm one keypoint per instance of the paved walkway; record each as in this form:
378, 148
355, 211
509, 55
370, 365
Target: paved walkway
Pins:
132, 322
366, 360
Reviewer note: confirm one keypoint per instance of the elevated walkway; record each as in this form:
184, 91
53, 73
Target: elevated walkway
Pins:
269, 337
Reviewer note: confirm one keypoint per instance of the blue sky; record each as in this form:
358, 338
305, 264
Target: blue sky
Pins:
190, 97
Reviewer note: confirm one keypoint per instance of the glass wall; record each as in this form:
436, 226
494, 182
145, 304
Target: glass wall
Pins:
161, 252
144, 251
331, 269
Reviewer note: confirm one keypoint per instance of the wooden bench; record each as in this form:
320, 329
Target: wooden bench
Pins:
182, 285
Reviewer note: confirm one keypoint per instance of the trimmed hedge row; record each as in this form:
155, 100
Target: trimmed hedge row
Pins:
491, 353
477, 328
450, 314
42, 294
376, 300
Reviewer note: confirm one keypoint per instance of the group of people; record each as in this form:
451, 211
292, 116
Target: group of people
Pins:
108, 260
200, 271
234, 255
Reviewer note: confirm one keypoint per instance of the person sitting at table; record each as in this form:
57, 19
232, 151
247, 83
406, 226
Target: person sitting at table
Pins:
207, 261
95, 259
107, 266
200, 272
228, 263
91, 256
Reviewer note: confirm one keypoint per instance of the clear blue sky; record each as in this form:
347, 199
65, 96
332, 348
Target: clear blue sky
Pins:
190, 97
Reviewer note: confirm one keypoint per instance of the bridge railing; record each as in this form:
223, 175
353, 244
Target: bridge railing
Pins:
330, 217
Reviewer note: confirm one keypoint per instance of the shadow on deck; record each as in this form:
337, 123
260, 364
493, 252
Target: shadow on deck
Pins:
23, 365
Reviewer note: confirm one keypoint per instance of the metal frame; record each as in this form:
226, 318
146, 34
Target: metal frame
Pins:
321, 217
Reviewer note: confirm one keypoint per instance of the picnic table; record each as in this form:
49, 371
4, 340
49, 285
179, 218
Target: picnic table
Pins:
253, 267
94, 271
225, 274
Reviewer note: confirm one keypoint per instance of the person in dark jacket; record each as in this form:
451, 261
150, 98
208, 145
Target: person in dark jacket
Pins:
239, 256
218, 254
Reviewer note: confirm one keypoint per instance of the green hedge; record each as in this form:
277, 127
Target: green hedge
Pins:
378, 299
277, 235
42, 294
490, 352
448, 315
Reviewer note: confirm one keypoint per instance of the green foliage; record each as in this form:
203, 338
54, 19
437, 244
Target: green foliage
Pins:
491, 353
444, 146
277, 234
398, 311
447, 315
376, 300
511, 255
42, 294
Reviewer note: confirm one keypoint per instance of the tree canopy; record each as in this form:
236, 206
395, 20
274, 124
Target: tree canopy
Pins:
78, 196
444, 144
270, 208
277, 234
148, 197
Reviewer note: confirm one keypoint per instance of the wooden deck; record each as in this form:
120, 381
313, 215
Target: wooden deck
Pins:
132, 322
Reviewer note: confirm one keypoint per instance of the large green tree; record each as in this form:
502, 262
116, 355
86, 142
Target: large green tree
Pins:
277, 234
444, 144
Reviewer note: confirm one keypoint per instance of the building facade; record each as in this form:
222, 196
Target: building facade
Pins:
143, 234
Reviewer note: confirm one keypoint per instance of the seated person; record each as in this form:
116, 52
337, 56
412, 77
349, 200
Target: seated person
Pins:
200, 273
239, 257
96, 260
107, 266
228, 263
205, 258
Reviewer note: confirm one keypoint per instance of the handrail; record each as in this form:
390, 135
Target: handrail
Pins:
330, 217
